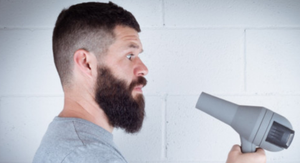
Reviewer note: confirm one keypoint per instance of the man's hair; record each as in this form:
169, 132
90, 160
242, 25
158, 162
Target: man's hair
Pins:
89, 26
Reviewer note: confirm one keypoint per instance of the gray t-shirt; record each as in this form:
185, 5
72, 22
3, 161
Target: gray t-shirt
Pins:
72, 140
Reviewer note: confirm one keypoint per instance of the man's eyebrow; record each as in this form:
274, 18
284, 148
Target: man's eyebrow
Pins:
135, 47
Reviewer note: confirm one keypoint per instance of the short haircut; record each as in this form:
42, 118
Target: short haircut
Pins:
89, 26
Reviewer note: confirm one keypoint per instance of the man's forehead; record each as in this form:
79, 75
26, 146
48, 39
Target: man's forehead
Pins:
129, 37
136, 47
123, 30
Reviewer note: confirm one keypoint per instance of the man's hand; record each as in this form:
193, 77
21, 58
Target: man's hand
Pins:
236, 156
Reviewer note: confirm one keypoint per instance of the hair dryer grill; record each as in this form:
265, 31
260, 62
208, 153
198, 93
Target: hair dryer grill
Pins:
257, 126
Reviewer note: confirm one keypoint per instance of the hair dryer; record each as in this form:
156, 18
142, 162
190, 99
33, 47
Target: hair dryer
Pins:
257, 126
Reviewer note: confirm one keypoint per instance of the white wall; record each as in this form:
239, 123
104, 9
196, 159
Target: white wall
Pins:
247, 52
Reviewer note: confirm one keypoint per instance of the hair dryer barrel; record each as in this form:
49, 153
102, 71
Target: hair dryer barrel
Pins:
216, 107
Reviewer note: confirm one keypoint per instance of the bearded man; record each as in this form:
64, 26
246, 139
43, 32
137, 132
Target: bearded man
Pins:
96, 50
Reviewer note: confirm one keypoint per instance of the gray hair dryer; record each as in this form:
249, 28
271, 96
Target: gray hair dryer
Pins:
257, 126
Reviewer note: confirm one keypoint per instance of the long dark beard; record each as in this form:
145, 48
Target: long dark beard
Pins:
115, 98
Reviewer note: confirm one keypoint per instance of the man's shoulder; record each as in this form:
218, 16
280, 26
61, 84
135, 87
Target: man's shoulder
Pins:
89, 153
95, 152
76, 140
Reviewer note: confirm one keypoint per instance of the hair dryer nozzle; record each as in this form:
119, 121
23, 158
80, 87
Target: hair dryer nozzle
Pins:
257, 126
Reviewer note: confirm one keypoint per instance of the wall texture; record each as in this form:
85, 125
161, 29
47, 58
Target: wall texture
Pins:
245, 51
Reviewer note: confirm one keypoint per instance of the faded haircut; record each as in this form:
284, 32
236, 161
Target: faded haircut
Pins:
89, 26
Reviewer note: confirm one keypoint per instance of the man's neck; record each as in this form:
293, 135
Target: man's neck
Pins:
86, 108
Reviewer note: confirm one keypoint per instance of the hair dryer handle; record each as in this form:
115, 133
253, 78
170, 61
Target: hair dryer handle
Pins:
247, 147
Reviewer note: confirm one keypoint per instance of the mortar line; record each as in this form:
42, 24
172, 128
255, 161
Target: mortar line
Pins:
216, 27
25, 28
30, 95
245, 60
164, 131
163, 12
172, 94
168, 27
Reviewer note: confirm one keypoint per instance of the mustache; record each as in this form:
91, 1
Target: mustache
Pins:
139, 81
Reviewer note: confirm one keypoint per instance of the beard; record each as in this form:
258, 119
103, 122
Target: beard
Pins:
115, 98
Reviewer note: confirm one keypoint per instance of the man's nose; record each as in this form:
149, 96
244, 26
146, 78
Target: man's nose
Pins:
140, 69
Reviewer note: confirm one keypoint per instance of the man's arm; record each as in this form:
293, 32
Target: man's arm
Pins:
236, 156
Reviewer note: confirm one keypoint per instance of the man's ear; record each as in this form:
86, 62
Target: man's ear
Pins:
85, 61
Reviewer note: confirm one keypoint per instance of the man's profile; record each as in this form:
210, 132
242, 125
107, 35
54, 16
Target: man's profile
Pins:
96, 50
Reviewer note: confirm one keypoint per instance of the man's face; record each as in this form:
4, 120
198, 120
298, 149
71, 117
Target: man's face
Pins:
120, 81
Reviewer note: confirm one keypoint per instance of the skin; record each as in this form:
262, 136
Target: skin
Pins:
122, 58
236, 156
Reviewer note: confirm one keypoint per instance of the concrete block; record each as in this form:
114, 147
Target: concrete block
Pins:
23, 122
33, 13
26, 64
148, 13
195, 136
30, 13
147, 144
230, 13
188, 61
273, 61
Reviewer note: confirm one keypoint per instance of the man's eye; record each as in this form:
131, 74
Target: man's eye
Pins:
129, 56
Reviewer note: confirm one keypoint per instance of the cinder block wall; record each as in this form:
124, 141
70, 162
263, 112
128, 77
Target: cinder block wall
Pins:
246, 51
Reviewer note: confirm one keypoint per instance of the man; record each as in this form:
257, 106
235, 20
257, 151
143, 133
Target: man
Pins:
96, 50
